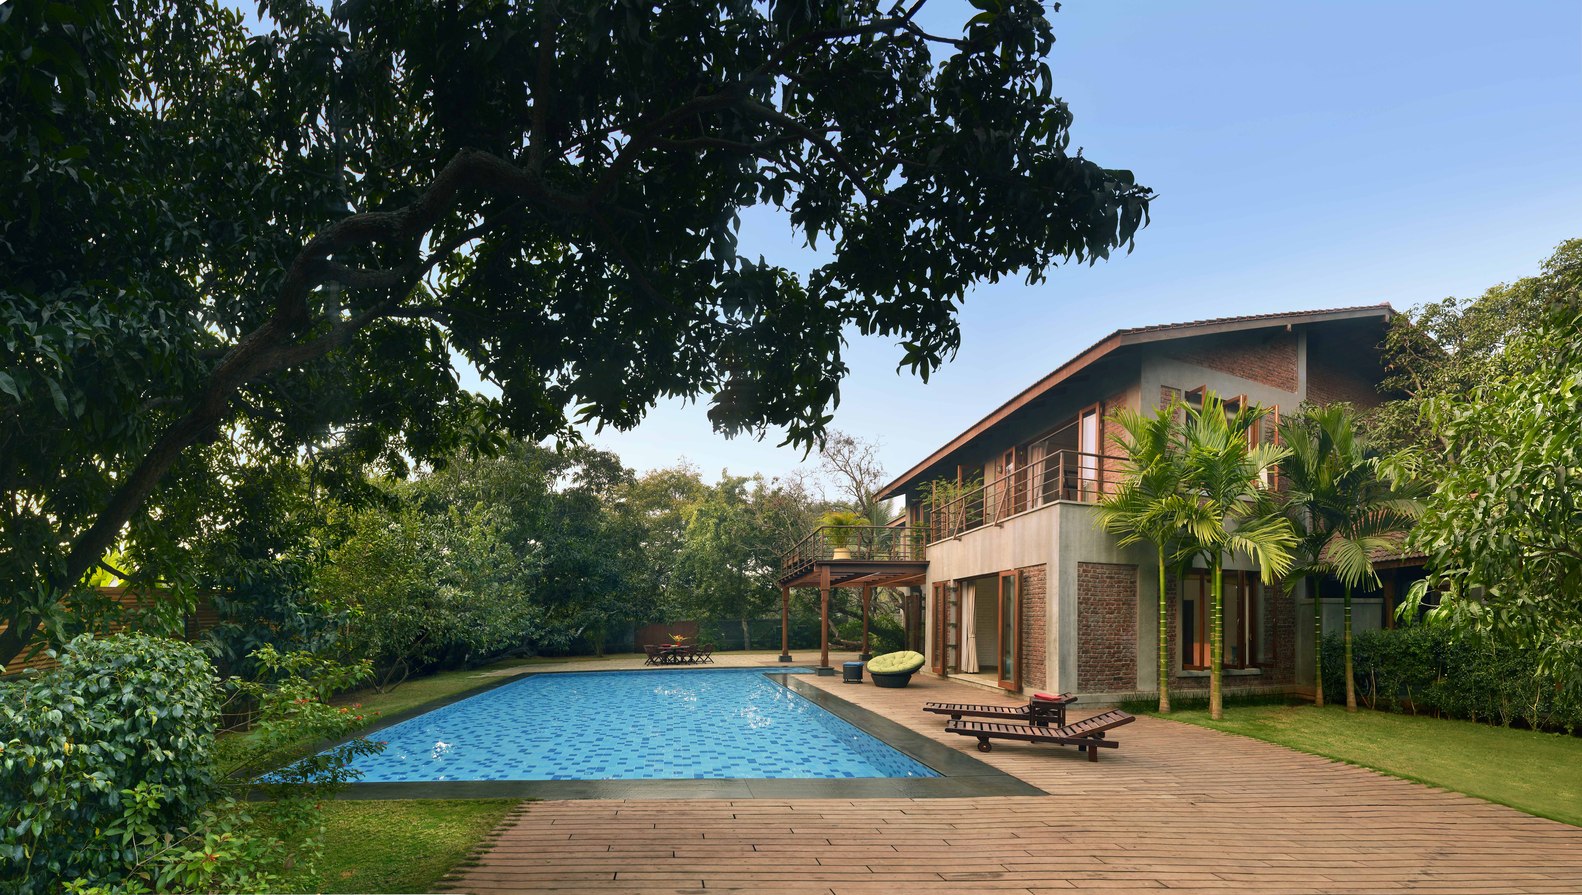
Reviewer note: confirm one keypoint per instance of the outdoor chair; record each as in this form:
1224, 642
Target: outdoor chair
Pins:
704, 653
1087, 735
1043, 709
655, 656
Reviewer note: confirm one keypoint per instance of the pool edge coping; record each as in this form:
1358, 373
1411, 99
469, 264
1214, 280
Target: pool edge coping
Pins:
960, 775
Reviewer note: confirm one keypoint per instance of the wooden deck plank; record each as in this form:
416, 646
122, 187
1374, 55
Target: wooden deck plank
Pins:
1176, 807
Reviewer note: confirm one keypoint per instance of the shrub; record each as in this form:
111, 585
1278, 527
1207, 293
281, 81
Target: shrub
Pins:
1423, 669
114, 756
121, 715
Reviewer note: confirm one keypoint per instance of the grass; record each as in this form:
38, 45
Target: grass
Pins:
1528, 770
397, 846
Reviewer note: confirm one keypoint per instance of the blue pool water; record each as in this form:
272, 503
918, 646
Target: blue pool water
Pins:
637, 725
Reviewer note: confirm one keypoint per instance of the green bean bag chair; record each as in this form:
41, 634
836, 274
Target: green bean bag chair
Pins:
894, 669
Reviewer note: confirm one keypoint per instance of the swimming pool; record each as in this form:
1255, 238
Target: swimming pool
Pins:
695, 724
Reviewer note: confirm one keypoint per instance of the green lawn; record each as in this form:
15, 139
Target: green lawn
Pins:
398, 846
1530, 771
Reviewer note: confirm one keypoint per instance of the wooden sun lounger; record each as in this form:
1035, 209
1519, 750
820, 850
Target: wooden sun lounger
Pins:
1052, 710
1087, 734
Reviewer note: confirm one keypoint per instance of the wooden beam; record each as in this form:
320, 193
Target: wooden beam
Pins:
867, 599
785, 624
823, 621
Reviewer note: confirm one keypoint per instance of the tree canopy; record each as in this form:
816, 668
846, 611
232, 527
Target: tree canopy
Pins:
226, 244
1503, 526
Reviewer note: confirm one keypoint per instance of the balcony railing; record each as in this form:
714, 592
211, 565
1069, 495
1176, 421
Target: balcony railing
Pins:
865, 543
1057, 476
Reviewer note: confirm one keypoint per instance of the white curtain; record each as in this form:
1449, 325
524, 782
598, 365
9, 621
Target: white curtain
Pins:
969, 628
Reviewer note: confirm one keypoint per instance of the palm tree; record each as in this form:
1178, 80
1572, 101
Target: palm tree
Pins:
1147, 504
1311, 501
1350, 511
1228, 510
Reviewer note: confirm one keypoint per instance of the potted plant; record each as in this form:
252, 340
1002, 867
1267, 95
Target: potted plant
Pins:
839, 527
894, 670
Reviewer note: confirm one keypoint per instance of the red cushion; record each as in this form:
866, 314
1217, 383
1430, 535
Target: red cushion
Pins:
1045, 696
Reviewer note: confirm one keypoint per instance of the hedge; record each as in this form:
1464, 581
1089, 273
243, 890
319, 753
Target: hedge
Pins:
1422, 670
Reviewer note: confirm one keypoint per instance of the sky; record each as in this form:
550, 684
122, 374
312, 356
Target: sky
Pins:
1305, 156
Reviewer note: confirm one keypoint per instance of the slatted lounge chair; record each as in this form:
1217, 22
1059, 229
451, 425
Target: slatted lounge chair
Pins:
1087, 734
1046, 709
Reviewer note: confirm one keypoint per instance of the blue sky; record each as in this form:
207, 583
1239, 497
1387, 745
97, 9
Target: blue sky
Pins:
1305, 156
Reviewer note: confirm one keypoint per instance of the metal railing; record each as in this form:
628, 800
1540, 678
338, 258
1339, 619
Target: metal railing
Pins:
866, 543
1074, 476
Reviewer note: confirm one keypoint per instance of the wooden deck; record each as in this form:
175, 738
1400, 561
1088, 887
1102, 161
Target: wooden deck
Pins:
1175, 807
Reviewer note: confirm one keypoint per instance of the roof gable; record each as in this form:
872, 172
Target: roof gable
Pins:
1123, 338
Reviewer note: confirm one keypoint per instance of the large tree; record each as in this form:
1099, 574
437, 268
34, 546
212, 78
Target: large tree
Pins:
285, 239
1503, 526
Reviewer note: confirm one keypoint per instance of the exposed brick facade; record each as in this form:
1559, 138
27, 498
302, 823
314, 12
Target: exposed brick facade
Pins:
1109, 430
1106, 627
1262, 356
1279, 622
1035, 626
1331, 379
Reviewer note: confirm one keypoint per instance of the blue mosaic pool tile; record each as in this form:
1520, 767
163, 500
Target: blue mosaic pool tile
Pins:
673, 724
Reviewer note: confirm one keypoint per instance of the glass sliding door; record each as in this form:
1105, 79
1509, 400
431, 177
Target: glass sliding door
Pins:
1010, 630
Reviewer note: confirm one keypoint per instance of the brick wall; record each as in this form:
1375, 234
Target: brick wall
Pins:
1035, 626
1331, 378
1109, 430
1279, 621
1106, 627
1258, 356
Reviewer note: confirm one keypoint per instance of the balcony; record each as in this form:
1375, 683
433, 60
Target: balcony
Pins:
877, 555
1069, 476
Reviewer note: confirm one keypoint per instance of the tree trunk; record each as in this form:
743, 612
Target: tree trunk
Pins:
1216, 646
1318, 645
1351, 685
1164, 633
747, 635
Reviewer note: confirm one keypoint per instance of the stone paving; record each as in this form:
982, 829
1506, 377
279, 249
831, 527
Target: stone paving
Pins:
1175, 807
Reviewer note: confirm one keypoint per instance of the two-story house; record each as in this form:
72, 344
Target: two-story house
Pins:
1023, 590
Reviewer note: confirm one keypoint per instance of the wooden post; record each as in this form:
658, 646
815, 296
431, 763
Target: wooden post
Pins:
823, 622
867, 598
785, 624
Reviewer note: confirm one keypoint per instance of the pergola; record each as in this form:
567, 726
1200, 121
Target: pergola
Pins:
863, 557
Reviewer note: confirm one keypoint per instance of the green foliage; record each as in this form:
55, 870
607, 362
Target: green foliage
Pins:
115, 742
1223, 507
840, 525
231, 248
1446, 350
1425, 670
1348, 506
124, 792
735, 534
1146, 505
1503, 527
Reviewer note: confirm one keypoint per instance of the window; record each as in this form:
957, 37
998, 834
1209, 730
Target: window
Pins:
1246, 637
1088, 447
